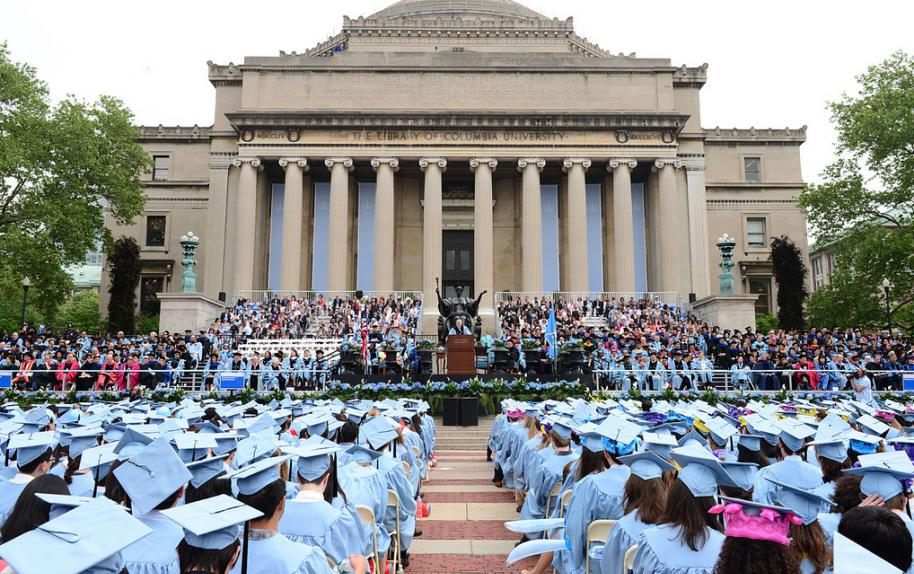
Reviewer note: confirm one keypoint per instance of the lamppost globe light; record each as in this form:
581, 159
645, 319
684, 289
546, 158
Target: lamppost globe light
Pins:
886, 284
26, 282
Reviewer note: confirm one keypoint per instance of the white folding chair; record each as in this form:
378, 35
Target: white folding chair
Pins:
394, 501
597, 531
367, 516
566, 500
629, 558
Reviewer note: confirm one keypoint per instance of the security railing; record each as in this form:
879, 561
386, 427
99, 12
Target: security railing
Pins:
269, 295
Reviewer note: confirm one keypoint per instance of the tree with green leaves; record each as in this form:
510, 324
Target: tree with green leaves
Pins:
61, 166
81, 311
124, 267
864, 208
790, 275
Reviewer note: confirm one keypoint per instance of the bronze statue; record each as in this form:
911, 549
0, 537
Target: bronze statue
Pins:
458, 307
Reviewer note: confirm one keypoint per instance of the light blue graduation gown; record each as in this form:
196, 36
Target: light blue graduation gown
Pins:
411, 440
82, 484
543, 480
156, 553
279, 555
396, 480
317, 523
596, 497
623, 536
661, 550
364, 485
829, 524
9, 494
525, 460
792, 470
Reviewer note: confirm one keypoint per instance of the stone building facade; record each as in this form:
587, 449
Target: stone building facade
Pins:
478, 142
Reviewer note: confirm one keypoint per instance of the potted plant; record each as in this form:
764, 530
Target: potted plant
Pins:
425, 348
350, 354
500, 355
533, 352
572, 354
390, 351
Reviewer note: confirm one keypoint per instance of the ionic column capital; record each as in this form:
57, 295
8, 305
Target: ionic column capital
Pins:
344, 161
424, 162
301, 161
238, 161
523, 162
662, 162
615, 162
478, 161
393, 162
570, 162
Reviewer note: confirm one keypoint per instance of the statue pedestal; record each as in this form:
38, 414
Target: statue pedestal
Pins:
727, 311
181, 311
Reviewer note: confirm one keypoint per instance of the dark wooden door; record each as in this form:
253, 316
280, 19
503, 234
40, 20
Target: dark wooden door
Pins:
457, 262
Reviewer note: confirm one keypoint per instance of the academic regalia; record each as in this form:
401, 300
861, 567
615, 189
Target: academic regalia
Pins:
156, 553
82, 484
828, 522
552, 465
792, 466
364, 485
309, 519
625, 534
9, 493
662, 551
273, 552
396, 480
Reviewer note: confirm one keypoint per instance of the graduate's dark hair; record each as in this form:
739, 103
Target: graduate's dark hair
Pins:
770, 450
170, 501
29, 511
113, 488
880, 531
209, 489
348, 433
832, 470
193, 559
757, 456
33, 466
72, 467
808, 541
557, 440
589, 463
690, 513
847, 495
417, 423
739, 555
267, 499
648, 497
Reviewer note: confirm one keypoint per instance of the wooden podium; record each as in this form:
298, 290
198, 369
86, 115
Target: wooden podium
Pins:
461, 355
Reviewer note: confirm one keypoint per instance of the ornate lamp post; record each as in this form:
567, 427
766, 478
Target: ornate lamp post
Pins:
26, 282
189, 243
726, 245
886, 287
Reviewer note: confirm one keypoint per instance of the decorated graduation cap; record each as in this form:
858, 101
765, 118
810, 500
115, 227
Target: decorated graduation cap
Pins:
87, 539
852, 558
30, 447
701, 471
872, 425
720, 430
646, 465
255, 477
213, 523
620, 437
361, 454
152, 475
754, 521
202, 471
863, 443
792, 493
742, 473
883, 473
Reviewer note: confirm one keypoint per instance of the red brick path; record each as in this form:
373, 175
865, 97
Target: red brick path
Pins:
463, 564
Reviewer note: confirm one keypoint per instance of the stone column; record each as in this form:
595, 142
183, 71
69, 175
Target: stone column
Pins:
576, 224
384, 223
431, 240
531, 224
217, 208
483, 275
670, 264
623, 229
339, 254
245, 223
292, 206
698, 231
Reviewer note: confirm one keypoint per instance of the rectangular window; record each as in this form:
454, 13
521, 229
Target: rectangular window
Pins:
752, 169
155, 231
755, 232
160, 166
761, 286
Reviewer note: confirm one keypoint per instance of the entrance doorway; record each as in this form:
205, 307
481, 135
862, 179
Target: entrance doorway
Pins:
457, 263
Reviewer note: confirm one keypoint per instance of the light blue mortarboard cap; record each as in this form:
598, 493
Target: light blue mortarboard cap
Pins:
835, 450
152, 475
647, 465
378, 431
742, 473
807, 505
883, 473
592, 441
253, 478
193, 446
750, 441
701, 471
131, 443
30, 447
99, 460
205, 470
225, 443
794, 433
255, 448
313, 462
87, 539
361, 454
213, 523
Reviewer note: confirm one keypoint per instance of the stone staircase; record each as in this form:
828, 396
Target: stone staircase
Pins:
463, 438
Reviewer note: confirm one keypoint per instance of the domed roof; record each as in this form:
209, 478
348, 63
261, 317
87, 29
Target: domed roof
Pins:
407, 8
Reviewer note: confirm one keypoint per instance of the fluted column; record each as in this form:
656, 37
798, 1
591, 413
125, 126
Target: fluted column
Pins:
698, 230
576, 224
338, 252
668, 224
245, 223
431, 239
483, 275
384, 223
531, 224
292, 207
623, 279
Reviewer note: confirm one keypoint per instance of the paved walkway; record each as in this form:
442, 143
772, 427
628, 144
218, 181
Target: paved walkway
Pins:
465, 532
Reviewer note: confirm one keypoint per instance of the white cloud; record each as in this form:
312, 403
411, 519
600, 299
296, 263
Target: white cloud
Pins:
772, 64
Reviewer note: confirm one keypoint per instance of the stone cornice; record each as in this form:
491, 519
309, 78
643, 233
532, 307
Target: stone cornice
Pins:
753, 135
174, 133
294, 119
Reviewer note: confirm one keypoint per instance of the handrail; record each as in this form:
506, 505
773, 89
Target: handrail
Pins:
310, 295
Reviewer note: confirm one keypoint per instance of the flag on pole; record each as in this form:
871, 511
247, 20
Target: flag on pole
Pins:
550, 332
364, 323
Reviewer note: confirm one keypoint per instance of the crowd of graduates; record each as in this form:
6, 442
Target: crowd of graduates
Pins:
690, 488
145, 488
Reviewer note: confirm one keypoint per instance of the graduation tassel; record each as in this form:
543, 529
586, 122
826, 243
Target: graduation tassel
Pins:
95, 488
244, 549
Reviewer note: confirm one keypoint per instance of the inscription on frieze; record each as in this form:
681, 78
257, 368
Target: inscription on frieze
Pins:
445, 137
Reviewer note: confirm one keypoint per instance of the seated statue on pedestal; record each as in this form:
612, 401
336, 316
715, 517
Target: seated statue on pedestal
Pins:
459, 314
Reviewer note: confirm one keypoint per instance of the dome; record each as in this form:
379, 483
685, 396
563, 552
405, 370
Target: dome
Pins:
409, 8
